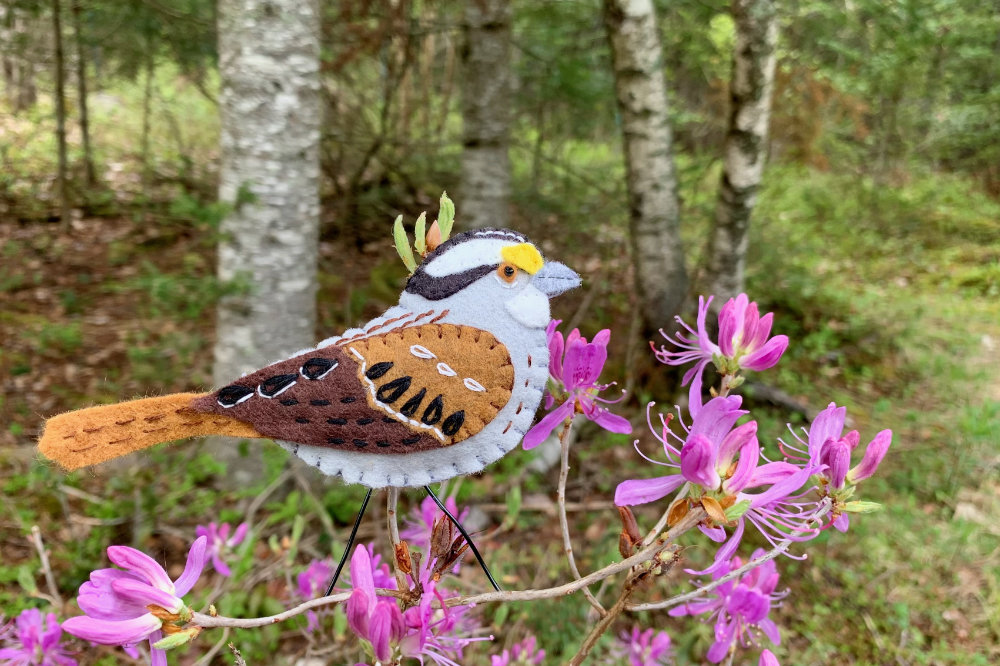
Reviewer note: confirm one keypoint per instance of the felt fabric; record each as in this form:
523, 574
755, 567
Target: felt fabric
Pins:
94, 435
318, 398
443, 380
442, 384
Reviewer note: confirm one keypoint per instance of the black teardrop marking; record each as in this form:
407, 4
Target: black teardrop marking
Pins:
289, 402
409, 441
335, 440
272, 386
337, 421
360, 443
230, 396
378, 370
317, 367
453, 423
413, 404
383, 443
433, 412
391, 391
366, 421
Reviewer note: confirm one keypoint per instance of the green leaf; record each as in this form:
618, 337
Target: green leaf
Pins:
513, 505
737, 510
175, 640
403, 245
420, 234
446, 216
27, 580
861, 506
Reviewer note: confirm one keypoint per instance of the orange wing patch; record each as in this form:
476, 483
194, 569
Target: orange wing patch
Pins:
440, 379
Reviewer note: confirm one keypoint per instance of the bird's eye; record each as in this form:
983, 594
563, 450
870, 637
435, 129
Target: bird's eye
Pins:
507, 272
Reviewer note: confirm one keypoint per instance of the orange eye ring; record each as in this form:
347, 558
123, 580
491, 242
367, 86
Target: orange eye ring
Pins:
507, 272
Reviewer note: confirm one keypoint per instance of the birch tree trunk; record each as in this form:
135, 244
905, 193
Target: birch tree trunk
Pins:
60, 77
81, 86
746, 145
485, 195
270, 115
654, 209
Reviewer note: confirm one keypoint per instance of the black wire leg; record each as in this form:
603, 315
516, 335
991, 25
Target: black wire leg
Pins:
350, 542
468, 539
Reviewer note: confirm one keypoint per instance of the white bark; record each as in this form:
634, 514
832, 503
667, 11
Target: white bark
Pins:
654, 210
485, 192
270, 108
746, 144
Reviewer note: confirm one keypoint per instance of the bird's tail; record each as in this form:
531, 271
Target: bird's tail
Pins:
96, 434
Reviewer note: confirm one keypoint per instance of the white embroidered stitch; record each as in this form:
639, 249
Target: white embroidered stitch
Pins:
402, 417
422, 352
332, 368
240, 401
276, 393
445, 370
473, 385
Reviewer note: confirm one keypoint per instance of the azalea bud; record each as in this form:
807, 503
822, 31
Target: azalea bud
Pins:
836, 455
874, 454
176, 638
629, 536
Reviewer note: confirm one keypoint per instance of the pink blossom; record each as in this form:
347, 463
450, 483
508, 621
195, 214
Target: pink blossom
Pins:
115, 600
219, 542
767, 658
34, 640
574, 367
744, 343
739, 608
418, 525
643, 648
520, 654
829, 449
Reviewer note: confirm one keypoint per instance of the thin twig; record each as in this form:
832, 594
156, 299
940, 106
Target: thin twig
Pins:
563, 522
735, 573
259, 500
50, 581
391, 510
602, 625
690, 520
206, 658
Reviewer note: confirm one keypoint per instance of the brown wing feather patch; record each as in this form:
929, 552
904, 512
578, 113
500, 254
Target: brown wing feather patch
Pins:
440, 380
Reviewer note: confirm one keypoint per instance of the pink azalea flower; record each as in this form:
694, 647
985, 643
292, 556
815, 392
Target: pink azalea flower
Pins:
520, 654
421, 632
767, 658
574, 367
643, 648
219, 542
739, 608
311, 583
829, 449
744, 343
115, 600
34, 641
721, 460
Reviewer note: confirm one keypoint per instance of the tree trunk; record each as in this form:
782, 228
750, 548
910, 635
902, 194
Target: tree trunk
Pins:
654, 209
18, 67
63, 195
746, 145
485, 200
270, 114
81, 85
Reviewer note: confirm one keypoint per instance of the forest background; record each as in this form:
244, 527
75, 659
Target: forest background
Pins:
875, 239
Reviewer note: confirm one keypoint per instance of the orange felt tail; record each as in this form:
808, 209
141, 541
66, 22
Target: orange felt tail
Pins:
96, 434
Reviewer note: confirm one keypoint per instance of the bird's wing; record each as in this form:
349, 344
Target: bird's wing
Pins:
415, 387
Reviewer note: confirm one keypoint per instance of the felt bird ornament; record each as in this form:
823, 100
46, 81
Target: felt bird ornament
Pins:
440, 385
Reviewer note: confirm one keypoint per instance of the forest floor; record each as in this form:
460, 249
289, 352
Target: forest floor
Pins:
901, 325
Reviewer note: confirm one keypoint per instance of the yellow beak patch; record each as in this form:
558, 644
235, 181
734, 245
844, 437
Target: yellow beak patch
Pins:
524, 256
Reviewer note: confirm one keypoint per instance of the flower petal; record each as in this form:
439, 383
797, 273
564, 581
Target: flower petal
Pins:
643, 491
610, 422
874, 454
143, 564
549, 422
193, 567
828, 424
767, 356
698, 462
109, 632
145, 594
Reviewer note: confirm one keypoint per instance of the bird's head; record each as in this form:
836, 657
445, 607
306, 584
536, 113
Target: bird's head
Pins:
489, 272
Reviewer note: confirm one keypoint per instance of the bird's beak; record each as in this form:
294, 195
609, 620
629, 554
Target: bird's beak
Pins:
555, 278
